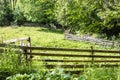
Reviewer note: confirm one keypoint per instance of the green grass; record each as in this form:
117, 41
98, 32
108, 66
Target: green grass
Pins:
52, 38
47, 38
44, 37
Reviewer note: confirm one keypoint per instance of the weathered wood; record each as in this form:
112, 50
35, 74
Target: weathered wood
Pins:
100, 61
92, 55
69, 49
72, 55
50, 66
1, 50
1, 39
64, 49
29, 44
2, 45
16, 40
71, 71
86, 38
11, 43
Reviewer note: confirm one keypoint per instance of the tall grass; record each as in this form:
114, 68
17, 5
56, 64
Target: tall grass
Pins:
101, 73
58, 74
13, 62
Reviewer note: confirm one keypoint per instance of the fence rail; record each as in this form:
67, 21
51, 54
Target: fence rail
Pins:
83, 57
72, 55
58, 60
67, 57
86, 38
50, 66
69, 49
17, 40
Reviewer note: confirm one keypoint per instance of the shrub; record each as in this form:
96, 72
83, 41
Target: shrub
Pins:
33, 76
19, 18
13, 62
6, 15
95, 73
56, 74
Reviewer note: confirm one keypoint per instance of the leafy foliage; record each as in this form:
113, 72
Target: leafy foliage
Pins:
12, 62
38, 10
33, 76
87, 16
19, 18
58, 74
95, 73
5, 13
14, 69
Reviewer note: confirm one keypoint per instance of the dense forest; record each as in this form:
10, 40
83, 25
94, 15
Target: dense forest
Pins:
87, 16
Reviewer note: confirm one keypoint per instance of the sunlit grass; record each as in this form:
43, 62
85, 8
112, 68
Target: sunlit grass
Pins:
55, 38
44, 37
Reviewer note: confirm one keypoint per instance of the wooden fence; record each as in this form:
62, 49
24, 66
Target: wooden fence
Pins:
16, 43
72, 60
97, 41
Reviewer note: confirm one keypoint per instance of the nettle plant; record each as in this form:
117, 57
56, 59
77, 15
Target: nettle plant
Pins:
12, 61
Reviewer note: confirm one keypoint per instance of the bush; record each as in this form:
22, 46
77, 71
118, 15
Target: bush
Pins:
33, 76
56, 74
19, 18
6, 15
95, 73
13, 62
92, 73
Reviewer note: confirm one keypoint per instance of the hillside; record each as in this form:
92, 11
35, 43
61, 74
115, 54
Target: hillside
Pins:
44, 37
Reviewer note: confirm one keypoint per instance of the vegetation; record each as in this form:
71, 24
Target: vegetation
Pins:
87, 16
76, 16
14, 67
13, 62
5, 13
44, 37
58, 74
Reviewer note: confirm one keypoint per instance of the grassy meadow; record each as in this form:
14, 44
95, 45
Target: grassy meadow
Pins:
41, 36
44, 37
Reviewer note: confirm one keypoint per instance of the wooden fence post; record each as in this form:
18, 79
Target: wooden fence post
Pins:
113, 44
29, 45
26, 56
92, 54
1, 39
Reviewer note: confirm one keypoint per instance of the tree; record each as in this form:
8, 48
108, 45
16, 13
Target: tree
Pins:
87, 15
77, 14
111, 18
5, 13
40, 11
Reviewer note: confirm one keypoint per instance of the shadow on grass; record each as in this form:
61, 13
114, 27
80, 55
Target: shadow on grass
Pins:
42, 29
58, 31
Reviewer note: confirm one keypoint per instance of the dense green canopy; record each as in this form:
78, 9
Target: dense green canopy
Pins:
99, 16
